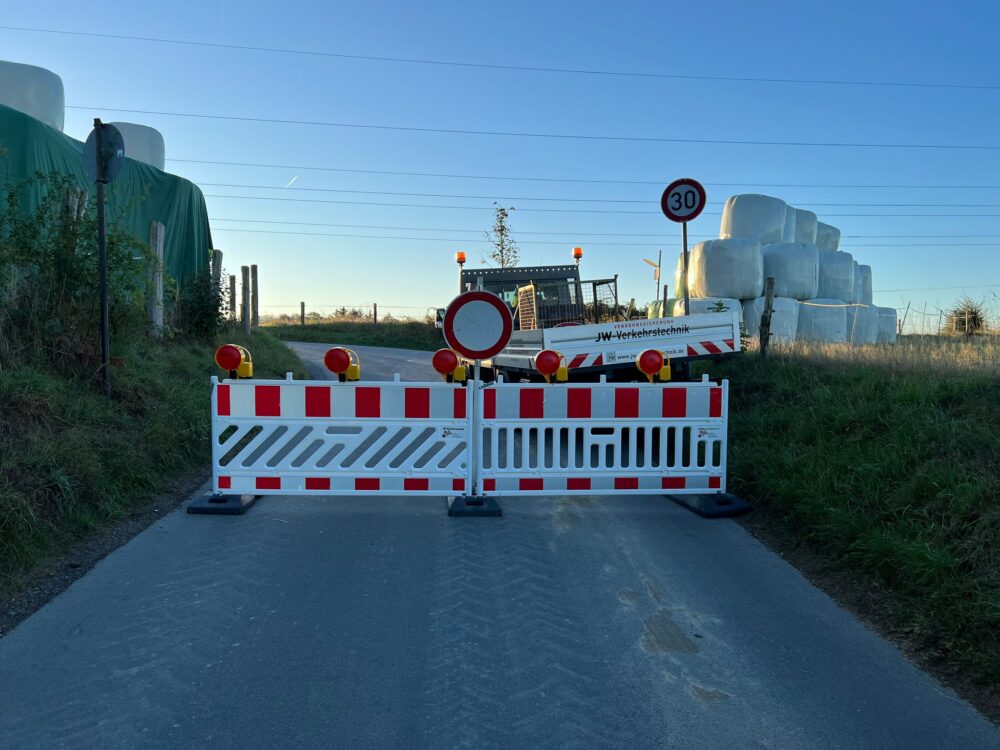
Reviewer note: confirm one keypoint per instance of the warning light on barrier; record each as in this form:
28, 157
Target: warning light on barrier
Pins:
235, 360
444, 361
344, 363
460, 258
549, 363
650, 362
578, 254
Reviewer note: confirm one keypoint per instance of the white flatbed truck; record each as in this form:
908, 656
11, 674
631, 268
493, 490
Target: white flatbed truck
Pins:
582, 320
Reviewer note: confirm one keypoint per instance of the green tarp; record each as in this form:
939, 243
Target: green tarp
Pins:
139, 195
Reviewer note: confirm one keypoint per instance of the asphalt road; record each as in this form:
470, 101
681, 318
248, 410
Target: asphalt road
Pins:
380, 623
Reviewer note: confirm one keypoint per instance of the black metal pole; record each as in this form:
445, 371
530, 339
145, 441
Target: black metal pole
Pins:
102, 260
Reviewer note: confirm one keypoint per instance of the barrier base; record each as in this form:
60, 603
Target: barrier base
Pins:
722, 505
474, 506
222, 505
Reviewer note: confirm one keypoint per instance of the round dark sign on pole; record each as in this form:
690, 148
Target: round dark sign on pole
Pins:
478, 325
683, 200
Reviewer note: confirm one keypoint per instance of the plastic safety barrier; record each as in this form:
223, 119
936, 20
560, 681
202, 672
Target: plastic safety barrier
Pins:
285, 437
603, 438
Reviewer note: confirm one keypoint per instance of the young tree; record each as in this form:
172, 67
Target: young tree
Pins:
504, 251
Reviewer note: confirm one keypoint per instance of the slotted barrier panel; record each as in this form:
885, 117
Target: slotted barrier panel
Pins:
602, 438
286, 437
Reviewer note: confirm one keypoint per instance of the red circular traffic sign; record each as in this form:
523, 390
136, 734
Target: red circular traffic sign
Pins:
478, 325
683, 200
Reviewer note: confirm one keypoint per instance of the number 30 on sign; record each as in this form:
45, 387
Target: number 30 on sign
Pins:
683, 200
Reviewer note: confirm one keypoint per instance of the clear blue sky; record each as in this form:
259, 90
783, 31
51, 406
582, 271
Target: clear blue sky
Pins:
889, 41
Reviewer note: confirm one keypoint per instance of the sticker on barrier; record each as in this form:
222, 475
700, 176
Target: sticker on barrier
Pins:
320, 437
603, 438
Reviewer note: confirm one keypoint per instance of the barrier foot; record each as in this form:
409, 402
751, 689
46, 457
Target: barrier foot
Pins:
222, 505
474, 506
719, 505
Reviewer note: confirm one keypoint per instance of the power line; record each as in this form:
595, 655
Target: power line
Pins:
526, 242
547, 136
662, 183
582, 234
519, 68
646, 201
650, 212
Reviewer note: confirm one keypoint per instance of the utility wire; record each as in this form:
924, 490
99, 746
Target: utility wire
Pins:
528, 242
555, 210
645, 201
547, 136
519, 68
661, 183
583, 234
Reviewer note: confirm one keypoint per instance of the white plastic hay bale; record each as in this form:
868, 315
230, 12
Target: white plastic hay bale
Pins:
795, 268
805, 226
680, 283
143, 143
784, 318
822, 319
836, 276
856, 294
656, 309
726, 268
788, 234
866, 285
827, 237
710, 305
35, 91
862, 324
759, 216
886, 325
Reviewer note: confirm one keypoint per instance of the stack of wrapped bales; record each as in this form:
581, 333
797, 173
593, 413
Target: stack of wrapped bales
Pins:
820, 292
886, 325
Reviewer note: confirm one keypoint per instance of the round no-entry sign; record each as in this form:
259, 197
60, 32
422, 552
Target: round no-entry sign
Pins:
478, 325
683, 200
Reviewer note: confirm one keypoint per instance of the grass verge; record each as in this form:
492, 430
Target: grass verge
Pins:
887, 467
72, 462
396, 334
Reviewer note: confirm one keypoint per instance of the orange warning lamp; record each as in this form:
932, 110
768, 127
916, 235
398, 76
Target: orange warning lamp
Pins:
343, 362
235, 360
578, 254
650, 363
460, 258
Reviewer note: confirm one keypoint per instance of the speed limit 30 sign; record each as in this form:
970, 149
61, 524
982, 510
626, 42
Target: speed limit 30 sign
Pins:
683, 200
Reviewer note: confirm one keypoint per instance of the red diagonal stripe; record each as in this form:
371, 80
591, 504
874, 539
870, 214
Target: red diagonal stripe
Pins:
692, 352
577, 361
729, 343
711, 348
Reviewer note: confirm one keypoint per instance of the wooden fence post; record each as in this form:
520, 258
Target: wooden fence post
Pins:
245, 302
217, 269
765, 317
255, 295
302, 313
375, 313
154, 292
232, 296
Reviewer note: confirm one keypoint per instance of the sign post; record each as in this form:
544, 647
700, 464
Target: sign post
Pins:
103, 157
478, 325
681, 202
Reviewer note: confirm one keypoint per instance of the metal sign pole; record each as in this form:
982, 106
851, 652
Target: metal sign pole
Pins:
684, 244
474, 442
102, 259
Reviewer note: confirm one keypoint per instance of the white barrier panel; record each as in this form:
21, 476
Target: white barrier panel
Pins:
602, 438
285, 437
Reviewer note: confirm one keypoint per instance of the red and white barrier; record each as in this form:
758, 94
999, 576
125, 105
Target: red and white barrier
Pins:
603, 438
330, 438
338, 438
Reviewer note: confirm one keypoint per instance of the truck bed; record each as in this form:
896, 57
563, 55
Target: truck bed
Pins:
605, 346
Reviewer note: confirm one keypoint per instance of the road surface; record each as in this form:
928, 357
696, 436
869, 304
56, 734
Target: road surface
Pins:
618, 622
